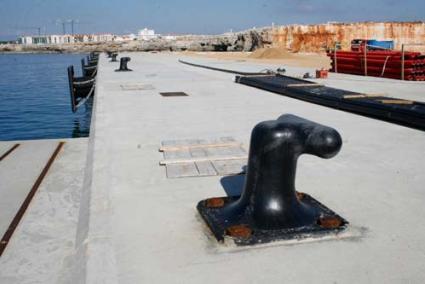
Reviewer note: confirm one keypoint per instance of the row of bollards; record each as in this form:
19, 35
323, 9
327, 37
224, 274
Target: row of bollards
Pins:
269, 208
81, 88
123, 61
112, 55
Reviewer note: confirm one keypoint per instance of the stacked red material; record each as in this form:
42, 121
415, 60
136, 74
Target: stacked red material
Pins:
322, 74
387, 64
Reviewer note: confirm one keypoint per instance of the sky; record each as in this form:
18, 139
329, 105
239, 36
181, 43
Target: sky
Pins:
191, 16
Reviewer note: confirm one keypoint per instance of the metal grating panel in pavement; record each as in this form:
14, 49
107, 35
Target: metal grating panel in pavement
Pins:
203, 157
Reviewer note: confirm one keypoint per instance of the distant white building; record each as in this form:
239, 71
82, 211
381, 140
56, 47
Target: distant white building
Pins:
66, 39
144, 34
147, 34
59, 39
132, 36
169, 37
56, 39
123, 38
25, 40
103, 38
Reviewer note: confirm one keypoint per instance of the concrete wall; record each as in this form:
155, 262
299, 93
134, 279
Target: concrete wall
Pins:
316, 37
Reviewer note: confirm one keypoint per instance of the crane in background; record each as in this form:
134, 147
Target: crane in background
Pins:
71, 22
63, 23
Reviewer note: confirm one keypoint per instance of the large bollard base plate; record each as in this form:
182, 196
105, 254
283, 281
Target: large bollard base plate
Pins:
244, 232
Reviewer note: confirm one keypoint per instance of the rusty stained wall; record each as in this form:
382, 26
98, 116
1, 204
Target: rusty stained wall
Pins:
318, 37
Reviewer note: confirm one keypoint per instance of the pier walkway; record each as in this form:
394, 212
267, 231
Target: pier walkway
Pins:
41, 248
133, 224
143, 226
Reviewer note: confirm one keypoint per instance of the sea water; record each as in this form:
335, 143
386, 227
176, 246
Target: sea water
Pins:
35, 100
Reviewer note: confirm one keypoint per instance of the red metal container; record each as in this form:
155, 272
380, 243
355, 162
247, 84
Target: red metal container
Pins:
321, 74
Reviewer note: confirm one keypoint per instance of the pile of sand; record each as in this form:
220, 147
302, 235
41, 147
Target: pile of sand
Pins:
271, 53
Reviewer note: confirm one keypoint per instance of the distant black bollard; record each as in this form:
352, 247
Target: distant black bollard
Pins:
307, 76
89, 69
123, 64
114, 57
83, 65
92, 61
81, 88
94, 55
109, 54
270, 208
281, 71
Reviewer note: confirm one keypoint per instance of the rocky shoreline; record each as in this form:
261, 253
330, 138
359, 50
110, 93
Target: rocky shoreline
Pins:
245, 41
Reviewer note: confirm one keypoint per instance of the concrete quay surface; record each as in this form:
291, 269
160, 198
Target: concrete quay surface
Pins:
140, 227
107, 213
41, 249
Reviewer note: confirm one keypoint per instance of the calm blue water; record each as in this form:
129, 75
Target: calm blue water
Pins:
34, 97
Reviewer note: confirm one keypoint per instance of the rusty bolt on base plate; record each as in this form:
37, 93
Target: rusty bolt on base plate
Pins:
216, 202
239, 231
246, 233
270, 209
330, 222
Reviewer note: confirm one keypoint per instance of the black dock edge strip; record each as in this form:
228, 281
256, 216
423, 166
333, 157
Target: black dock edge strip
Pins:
17, 219
8, 152
223, 70
398, 111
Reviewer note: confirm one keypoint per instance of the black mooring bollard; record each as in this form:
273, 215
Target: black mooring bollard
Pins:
94, 55
91, 61
270, 208
114, 57
123, 64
